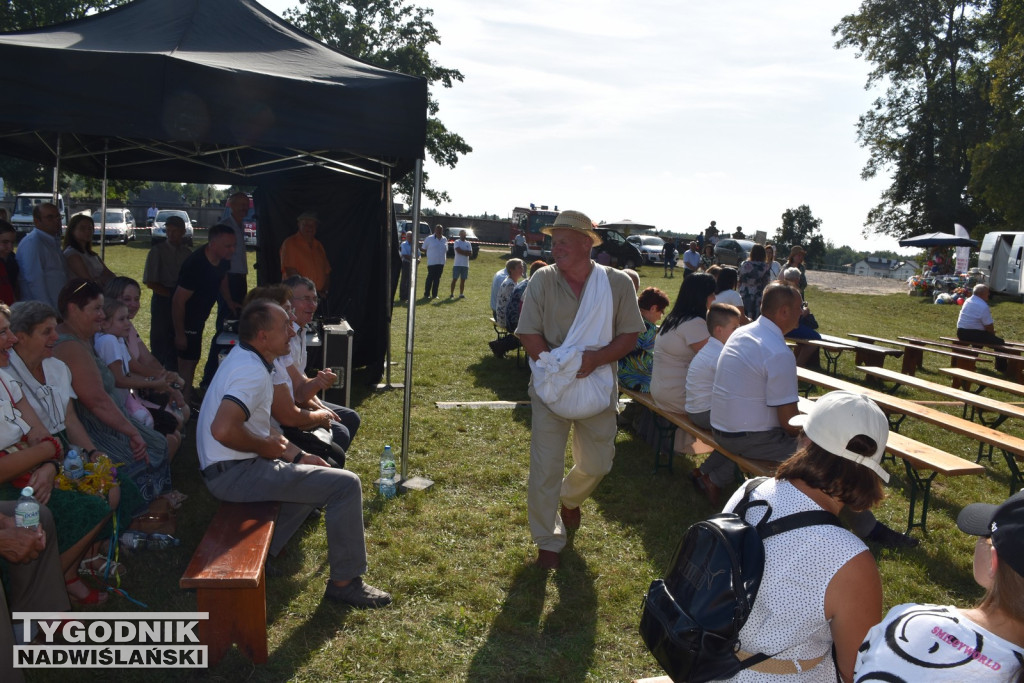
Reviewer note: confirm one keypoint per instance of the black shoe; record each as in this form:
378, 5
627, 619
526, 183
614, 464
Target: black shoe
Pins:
495, 349
272, 568
890, 538
357, 594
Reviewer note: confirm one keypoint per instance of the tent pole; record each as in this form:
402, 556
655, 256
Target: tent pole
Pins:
390, 218
416, 483
56, 175
103, 203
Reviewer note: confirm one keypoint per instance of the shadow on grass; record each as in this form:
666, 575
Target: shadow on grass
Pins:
524, 644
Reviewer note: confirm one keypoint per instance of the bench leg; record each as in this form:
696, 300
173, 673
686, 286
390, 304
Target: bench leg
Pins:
865, 357
666, 442
237, 616
923, 486
912, 359
1016, 479
832, 361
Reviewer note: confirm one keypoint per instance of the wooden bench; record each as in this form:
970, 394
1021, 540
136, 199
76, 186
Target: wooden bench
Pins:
913, 354
1014, 363
227, 572
966, 378
831, 349
1012, 447
1012, 349
866, 354
759, 468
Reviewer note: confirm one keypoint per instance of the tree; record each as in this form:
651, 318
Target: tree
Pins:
934, 110
394, 36
16, 15
998, 163
799, 226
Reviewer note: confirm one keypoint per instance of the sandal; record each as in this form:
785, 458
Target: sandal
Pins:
95, 597
98, 566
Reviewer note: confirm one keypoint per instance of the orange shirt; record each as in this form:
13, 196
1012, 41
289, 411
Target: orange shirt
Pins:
309, 260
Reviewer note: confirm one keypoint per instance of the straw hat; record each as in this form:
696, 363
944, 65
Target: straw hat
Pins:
576, 221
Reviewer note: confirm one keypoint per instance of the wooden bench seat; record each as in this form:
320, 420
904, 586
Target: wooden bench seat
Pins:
913, 354
866, 354
227, 572
966, 378
1014, 362
1011, 349
759, 468
1012, 447
831, 349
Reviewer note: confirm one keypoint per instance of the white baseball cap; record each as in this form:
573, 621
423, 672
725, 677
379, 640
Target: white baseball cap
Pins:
837, 417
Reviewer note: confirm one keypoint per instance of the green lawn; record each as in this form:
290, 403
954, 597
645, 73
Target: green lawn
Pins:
468, 605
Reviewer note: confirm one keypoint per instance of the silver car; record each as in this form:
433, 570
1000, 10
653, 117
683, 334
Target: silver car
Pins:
120, 225
650, 246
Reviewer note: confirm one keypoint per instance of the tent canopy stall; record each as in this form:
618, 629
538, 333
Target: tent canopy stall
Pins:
938, 239
224, 91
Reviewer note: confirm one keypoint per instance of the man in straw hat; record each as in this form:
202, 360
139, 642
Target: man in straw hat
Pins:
572, 294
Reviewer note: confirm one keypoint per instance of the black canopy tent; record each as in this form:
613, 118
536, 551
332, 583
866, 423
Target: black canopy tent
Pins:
937, 239
224, 91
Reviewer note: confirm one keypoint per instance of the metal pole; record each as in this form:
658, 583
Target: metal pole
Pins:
417, 483
389, 228
56, 180
103, 205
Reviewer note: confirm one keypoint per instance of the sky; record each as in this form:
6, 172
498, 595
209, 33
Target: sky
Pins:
665, 112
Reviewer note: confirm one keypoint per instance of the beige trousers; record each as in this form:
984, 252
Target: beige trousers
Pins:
593, 449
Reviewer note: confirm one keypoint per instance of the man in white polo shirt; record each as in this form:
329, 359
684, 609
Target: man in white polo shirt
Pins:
975, 323
243, 459
755, 397
436, 248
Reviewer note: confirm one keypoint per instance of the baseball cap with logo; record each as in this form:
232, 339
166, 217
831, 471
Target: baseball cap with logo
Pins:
1004, 523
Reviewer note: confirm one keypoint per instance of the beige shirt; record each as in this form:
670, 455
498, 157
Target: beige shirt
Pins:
163, 264
550, 306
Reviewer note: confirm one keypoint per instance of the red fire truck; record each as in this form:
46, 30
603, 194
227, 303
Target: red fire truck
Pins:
529, 221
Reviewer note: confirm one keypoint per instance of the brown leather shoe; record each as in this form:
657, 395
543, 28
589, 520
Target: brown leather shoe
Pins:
548, 559
571, 517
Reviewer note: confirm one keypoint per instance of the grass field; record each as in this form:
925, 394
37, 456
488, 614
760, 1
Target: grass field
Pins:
468, 604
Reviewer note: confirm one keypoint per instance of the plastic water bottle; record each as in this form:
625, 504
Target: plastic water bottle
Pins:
160, 541
387, 473
176, 409
26, 512
74, 468
134, 540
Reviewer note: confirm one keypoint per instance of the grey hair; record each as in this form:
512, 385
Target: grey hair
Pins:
791, 274
980, 289
27, 315
294, 280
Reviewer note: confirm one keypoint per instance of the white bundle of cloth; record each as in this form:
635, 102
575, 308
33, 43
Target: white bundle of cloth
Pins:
554, 372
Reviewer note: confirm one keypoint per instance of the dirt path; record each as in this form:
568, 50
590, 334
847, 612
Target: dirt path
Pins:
854, 284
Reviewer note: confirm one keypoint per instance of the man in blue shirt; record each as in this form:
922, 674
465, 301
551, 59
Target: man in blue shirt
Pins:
43, 269
406, 251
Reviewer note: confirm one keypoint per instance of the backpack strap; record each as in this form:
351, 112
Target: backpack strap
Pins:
797, 521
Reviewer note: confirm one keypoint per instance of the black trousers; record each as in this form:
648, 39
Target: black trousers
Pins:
237, 285
433, 280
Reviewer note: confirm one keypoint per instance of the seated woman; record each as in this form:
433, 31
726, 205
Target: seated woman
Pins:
725, 288
82, 261
940, 643
682, 335
32, 457
137, 450
635, 367
820, 587
307, 426
143, 362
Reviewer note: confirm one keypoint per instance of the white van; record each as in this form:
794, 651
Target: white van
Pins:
1000, 260
25, 202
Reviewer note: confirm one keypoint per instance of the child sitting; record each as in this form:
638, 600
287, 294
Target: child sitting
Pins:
716, 472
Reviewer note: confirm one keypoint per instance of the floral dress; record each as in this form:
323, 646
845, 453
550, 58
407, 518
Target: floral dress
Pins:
635, 367
754, 276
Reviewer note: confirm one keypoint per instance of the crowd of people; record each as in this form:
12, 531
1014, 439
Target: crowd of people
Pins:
75, 374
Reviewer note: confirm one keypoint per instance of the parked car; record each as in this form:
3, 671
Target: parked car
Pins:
453, 234
732, 252
25, 202
159, 233
650, 246
424, 231
623, 254
120, 225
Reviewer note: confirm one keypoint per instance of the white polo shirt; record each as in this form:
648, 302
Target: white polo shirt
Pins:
297, 347
975, 314
462, 259
247, 380
700, 378
756, 374
437, 250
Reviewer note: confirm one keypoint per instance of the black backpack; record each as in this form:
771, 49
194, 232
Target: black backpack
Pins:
692, 618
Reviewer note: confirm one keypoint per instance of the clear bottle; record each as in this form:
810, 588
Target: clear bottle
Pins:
161, 541
176, 409
134, 540
74, 468
26, 512
387, 473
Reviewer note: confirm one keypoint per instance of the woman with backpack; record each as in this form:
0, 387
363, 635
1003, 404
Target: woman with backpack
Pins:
820, 586
944, 643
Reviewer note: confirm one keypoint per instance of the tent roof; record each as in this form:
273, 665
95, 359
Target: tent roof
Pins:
938, 239
203, 90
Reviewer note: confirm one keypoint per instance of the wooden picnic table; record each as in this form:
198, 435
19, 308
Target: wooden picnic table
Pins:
866, 354
1011, 447
913, 354
983, 381
831, 349
1014, 363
